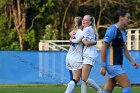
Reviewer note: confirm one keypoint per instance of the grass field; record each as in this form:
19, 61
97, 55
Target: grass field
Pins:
44, 88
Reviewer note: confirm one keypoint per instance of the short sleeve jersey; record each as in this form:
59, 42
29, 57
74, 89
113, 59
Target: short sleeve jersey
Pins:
75, 51
89, 51
116, 40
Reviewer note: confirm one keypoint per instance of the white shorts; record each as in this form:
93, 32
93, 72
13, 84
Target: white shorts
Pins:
89, 60
73, 65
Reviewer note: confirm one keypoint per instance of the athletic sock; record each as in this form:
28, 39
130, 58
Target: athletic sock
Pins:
93, 84
126, 90
84, 87
72, 91
70, 87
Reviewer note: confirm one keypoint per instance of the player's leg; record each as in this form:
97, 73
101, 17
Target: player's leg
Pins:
88, 63
93, 84
86, 71
72, 83
71, 78
109, 86
124, 82
77, 75
86, 81
85, 74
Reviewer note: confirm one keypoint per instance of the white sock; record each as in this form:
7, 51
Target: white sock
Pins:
84, 87
70, 87
72, 91
93, 84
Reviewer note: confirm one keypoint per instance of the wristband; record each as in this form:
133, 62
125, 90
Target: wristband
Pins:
103, 64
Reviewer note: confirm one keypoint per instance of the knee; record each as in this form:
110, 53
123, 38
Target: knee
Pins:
84, 78
77, 79
126, 84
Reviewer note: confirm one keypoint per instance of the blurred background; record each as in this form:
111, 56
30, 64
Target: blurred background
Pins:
34, 40
23, 23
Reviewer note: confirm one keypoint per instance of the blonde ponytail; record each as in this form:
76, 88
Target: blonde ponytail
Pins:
95, 29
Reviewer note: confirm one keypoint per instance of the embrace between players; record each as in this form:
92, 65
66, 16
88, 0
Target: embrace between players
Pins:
82, 53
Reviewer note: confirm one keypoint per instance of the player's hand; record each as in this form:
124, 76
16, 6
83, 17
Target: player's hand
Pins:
136, 65
72, 34
103, 71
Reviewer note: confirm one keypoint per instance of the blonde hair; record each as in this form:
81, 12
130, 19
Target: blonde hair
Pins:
93, 24
95, 28
77, 23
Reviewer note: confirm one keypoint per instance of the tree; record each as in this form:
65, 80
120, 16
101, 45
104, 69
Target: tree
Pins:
29, 21
103, 11
19, 13
8, 39
7, 36
40, 14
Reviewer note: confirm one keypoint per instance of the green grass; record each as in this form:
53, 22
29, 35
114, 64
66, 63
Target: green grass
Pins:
44, 88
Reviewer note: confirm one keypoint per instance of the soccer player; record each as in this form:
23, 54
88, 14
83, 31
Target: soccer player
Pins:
89, 53
112, 52
74, 56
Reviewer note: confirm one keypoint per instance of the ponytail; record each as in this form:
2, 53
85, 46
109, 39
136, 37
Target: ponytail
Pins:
95, 29
93, 24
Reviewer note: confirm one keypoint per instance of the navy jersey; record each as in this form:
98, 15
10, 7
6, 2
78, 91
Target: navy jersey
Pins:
116, 40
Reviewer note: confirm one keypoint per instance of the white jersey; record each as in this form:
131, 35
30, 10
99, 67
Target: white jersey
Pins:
74, 55
89, 51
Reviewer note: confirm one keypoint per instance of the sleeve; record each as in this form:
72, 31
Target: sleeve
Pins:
86, 33
109, 35
77, 39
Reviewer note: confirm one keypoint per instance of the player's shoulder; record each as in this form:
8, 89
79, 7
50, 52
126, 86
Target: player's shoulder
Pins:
112, 27
88, 29
79, 31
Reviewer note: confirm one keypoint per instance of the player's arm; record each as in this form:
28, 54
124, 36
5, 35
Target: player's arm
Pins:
109, 36
127, 55
77, 39
89, 42
86, 41
103, 58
